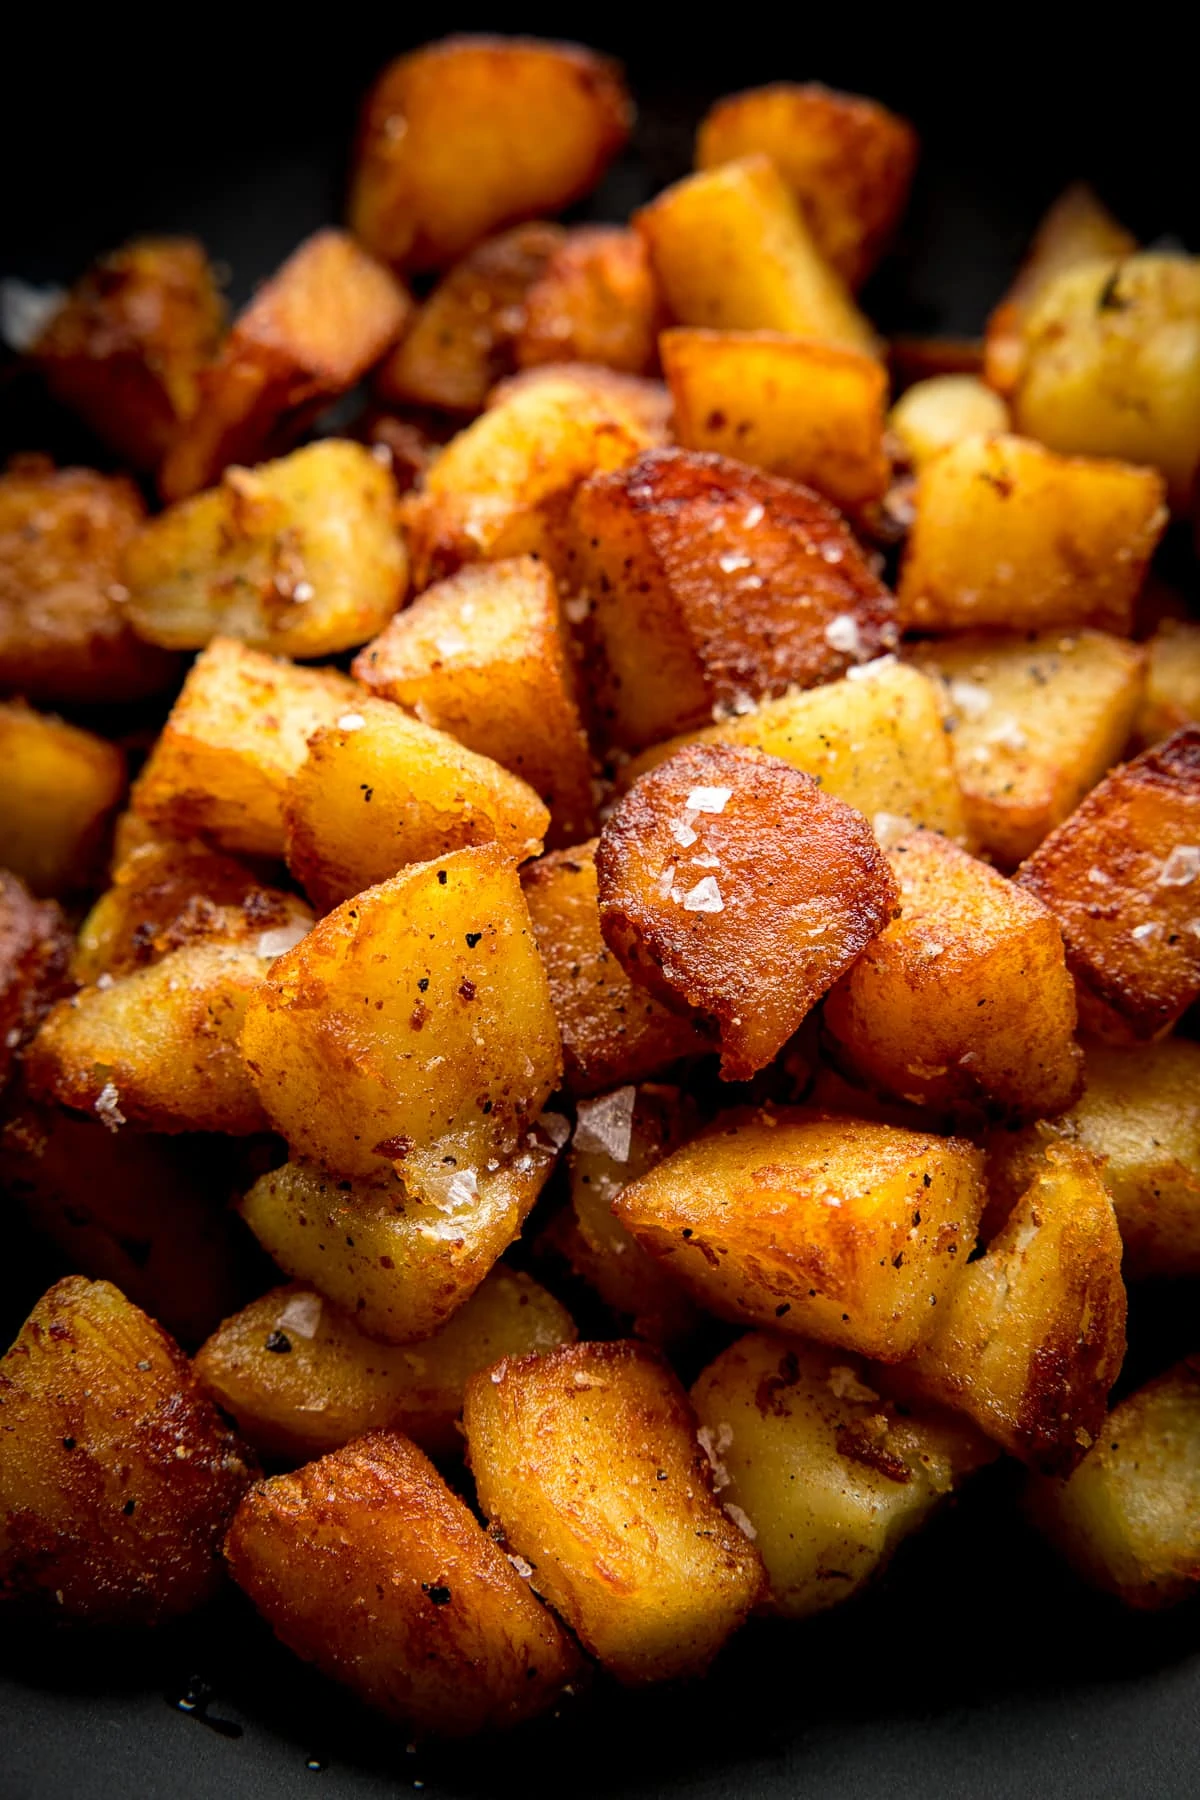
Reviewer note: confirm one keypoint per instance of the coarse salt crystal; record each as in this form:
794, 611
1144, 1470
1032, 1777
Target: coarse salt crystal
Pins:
606, 1124
1098, 878
709, 799
666, 882
845, 1385
706, 860
729, 565
107, 1107
1181, 867
740, 1520
1142, 934
451, 643
302, 1314
25, 311
302, 592
463, 1186
104, 980
351, 721
889, 828
682, 832
754, 516
705, 897
842, 633
556, 1127
866, 671
833, 553
971, 700
524, 1569
281, 938
1007, 735
13, 1037
577, 608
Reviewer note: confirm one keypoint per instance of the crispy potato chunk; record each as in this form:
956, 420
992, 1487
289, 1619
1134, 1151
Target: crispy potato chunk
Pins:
300, 557
158, 1046
830, 1475
427, 795
730, 249
1128, 1520
1036, 721
833, 1228
595, 301
472, 133
61, 787
35, 955
423, 1007
712, 584
117, 1477
236, 736
301, 1379
368, 1566
587, 1459
800, 888
1010, 535
309, 334
64, 636
1033, 1336
484, 655
941, 411
964, 999
849, 162
127, 348
464, 338
613, 1031
809, 411
1120, 877
1172, 696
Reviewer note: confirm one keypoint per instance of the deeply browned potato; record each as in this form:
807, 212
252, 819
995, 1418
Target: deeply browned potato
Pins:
61, 787
301, 1379
1120, 876
35, 954
367, 1565
714, 584
472, 133
127, 348
117, 1478
849, 162
595, 301
799, 888
1172, 696
587, 1459
965, 998
836, 1229
309, 333
63, 634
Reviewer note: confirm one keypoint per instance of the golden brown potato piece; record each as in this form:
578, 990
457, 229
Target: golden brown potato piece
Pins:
1032, 1338
61, 787
833, 1228
236, 736
830, 1474
464, 338
587, 1460
301, 1379
713, 584
934, 414
1010, 535
1035, 721
117, 1478
646, 401
1128, 1520
64, 636
613, 1031
964, 999
309, 333
472, 133
730, 249
35, 957
595, 301
731, 883
809, 411
301, 557
484, 655
1121, 876
848, 161
1172, 696
412, 1028
127, 348
426, 793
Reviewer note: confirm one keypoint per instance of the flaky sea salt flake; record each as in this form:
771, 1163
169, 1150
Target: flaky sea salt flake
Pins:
705, 897
1181, 867
709, 799
606, 1124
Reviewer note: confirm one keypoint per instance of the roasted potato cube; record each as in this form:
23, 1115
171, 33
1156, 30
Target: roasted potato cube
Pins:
801, 887
941, 411
484, 656
427, 795
1010, 535
848, 161
309, 334
833, 1228
1119, 877
647, 401
127, 348
1172, 696
829, 1473
587, 1460
64, 636
300, 557
463, 340
812, 412
301, 1379
117, 1477
61, 787
236, 736
730, 248
35, 957
965, 999
1032, 1338
712, 584
159, 1046
1128, 1520
472, 133
423, 1007
595, 301
1036, 720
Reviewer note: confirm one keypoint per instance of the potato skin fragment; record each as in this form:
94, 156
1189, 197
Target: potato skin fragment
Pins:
35, 956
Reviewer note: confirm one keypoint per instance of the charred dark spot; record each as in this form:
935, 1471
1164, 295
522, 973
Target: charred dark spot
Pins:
278, 1343
439, 1595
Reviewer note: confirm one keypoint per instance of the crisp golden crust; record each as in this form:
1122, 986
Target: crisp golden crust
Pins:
594, 301
35, 955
